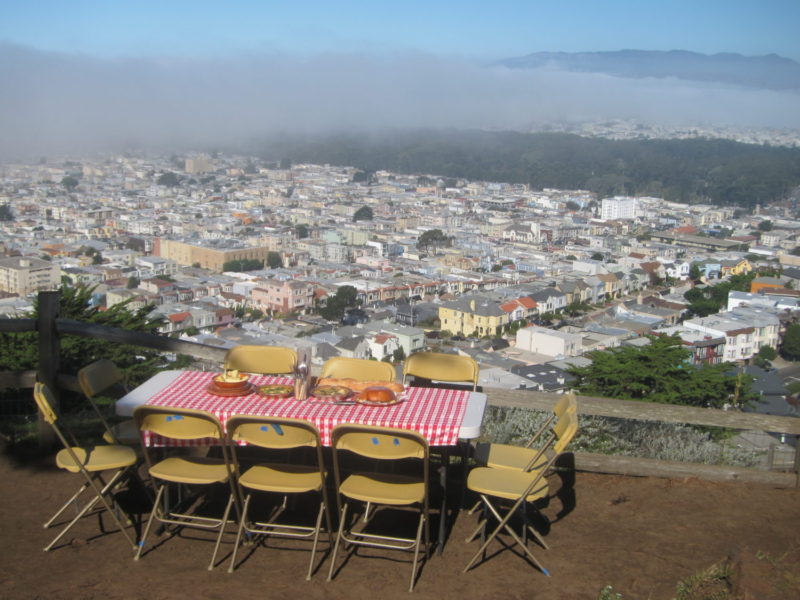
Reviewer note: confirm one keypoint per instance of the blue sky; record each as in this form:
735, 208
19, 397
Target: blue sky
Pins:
483, 30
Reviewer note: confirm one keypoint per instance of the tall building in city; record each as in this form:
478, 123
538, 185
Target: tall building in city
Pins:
618, 207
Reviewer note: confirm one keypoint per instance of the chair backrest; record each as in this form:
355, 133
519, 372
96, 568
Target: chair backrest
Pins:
178, 423
272, 432
566, 403
441, 367
99, 376
263, 360
381, 443
43, 396
358, 369
565, 429
44, 402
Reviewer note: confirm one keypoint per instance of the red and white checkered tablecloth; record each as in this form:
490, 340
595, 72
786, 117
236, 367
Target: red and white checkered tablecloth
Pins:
435, 413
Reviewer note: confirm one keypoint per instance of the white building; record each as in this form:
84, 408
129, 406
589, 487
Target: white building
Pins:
549, 341
618, 207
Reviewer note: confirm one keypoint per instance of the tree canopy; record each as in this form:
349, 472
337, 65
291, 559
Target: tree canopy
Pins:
363, 214
274, 260
691, 170
5, 213
657, 372
245, 264
168, 178
709, 300
790, 346
19, 351
69, 182
344, 298
433, 238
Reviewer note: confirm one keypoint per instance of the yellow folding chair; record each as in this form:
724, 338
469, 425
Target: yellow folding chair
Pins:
284, 478
358, 369
184, 426
507, 456
438, 366
382, 445
101, 378
261, 360
95, 463
519, 487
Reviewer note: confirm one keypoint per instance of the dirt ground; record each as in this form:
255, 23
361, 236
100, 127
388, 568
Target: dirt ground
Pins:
639, 535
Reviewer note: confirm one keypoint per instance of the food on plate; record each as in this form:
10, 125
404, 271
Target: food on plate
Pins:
378, 395
231, 378
275, 389
331, 391
360, 386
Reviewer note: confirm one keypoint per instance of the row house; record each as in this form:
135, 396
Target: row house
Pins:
382, 345
745, 331
521, 308
549, 300
284, 297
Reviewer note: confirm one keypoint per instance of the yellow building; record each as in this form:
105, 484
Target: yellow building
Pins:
208, 258
472, 316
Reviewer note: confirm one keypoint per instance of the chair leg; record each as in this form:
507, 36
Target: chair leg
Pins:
339, 534
420, 527
222, 526
66, 505
99, 496
242, 522
316, 539
504, 525
150, 520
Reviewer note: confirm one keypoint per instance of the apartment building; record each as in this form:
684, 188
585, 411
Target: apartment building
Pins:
284, 297
24, 275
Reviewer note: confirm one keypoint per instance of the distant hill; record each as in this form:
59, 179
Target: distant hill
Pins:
767, 72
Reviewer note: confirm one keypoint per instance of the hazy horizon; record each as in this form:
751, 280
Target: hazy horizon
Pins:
53, 102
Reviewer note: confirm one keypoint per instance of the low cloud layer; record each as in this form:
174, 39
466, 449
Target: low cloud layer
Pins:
59, 104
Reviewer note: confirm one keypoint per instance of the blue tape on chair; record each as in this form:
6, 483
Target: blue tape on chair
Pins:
178, 417
169, 418
396, 442
278, 429
375, 441
141, 544
264, 428
546, 572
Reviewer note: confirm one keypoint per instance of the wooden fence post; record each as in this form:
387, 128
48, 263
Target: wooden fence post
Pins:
49, 355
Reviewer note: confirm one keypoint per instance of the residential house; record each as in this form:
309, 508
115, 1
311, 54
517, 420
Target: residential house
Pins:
472, 315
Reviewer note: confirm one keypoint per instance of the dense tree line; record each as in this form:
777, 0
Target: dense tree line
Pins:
696, 170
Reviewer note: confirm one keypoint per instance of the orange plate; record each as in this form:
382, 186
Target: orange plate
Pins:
245, 389
364, 402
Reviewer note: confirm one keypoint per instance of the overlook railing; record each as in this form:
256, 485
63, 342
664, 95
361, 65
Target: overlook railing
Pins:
50, 329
